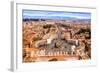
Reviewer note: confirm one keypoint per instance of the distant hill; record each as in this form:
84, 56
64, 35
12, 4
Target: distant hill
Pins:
74, 20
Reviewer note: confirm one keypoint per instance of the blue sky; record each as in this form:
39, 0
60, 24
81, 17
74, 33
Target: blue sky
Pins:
54, 15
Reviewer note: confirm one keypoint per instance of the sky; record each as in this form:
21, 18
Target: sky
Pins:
33, 14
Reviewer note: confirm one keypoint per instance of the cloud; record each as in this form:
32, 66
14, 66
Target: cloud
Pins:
32, 14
